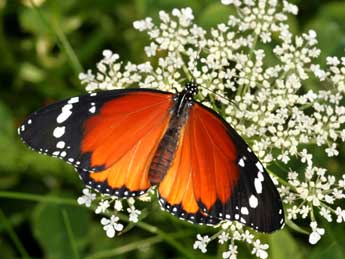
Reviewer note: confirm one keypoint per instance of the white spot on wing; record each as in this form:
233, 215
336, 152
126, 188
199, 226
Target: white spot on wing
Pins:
63, 154
29, 121
253, 201
73, 100
261, 177
56, 153
259, 166
60, 144
59, 132
244, 211
92, 109
258, 185
241, 162
65, 113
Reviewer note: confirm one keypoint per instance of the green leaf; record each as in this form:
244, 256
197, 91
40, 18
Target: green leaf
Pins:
49, 227
283, 245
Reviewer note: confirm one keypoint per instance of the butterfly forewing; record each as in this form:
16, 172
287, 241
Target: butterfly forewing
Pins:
110, 137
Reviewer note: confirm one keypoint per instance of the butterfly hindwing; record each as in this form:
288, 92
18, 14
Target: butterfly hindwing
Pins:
215, 176
176, 191
110, 137
252, 198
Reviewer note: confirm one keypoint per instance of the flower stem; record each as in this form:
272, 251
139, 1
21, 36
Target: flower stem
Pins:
12, 234
70, 234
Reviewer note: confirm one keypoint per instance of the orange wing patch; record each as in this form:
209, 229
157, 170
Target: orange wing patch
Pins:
177, 187
123, 139
215, 171
121, 123
204, 171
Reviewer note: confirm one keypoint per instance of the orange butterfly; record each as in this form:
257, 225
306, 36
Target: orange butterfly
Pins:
122, 142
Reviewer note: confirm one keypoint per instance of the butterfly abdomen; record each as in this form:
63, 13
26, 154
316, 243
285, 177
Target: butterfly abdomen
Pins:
167, 147
164, 155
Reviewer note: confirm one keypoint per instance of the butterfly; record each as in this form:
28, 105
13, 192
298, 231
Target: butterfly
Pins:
123, 142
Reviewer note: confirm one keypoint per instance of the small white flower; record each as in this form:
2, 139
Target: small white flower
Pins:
247, 237
260, 249
332, 150
290, 8
229, 2
201, 243
87, 198
316, 233
326, 214
133, 214
185, 15
143, 25
342, 182
306, 157
102, 206
231, 253
111, 226
333, 61
118, 205
151, 50
341, 215
223, 237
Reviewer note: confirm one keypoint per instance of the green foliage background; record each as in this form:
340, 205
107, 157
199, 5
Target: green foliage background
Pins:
42, 51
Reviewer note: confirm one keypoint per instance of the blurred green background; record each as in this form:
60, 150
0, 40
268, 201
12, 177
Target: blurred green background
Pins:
39, 217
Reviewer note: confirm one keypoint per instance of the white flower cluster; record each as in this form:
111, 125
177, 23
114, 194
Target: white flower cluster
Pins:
281, 119
111, 205
232, 232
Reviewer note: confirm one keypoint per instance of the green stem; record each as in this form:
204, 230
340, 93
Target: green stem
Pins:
37, 198
295, 227
61, 39
12, 234
70, 234
281, 180
185, 69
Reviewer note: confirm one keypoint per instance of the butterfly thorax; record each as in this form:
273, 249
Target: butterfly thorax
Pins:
166, 150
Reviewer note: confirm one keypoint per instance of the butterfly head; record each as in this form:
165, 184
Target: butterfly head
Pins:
191, 88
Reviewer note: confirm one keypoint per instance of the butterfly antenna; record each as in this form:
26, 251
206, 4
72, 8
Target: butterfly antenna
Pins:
221, 96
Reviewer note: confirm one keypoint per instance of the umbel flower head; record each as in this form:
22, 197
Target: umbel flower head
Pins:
283, 122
